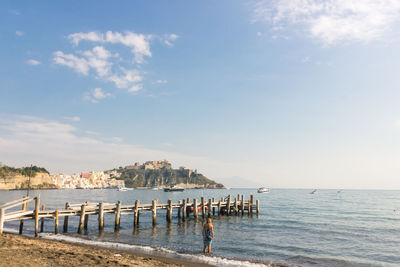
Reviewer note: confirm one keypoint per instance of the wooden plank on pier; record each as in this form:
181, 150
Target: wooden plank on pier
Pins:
65, 227
169, 211
42, 220
117, 216
56, 222
37, 202
184, 211
257, 206
81, 218
4, 205
21, 223
101, 216
213, 200
179, 208
2, 215
242, 205
251, 203
195, 209
228, 206
203, 207
187, 205
154, 211
136, 215
209, 207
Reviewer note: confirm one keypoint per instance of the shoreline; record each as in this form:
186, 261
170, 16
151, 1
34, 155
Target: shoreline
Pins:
20, 250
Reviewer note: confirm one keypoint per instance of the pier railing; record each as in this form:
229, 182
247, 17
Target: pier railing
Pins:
185, 207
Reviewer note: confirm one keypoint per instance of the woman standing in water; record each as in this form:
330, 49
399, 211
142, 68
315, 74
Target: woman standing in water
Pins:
208, 235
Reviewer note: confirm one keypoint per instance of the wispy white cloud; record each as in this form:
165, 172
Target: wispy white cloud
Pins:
55, 145
127, 79
73, 118
19, 33
95, 95
161, 81
135, 88
170, 38
139, 43
32, 62
331, 21
107, 66
69, 60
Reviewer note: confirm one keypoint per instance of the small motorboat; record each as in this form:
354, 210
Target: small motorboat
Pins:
263, 190
174, 189
124, 189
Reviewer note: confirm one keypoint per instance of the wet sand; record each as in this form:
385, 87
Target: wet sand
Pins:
16, 250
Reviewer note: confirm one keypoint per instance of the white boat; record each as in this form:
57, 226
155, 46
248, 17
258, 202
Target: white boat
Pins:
155, 188
124, 189
174, 189
263, 190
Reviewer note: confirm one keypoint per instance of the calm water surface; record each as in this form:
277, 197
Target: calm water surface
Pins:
351, 228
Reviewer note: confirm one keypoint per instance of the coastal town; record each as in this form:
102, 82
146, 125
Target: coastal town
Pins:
137, 175
87, 180
109, 179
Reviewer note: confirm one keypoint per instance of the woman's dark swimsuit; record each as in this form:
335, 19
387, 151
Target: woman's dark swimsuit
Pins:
207, 239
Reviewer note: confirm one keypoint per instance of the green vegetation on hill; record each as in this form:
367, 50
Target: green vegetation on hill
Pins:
26, 171
163, 177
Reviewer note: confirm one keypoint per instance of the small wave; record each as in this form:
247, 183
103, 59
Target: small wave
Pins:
160, 251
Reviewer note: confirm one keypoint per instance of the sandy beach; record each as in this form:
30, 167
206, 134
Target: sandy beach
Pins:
18, 250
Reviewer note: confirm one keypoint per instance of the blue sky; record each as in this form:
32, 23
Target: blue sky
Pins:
276, 93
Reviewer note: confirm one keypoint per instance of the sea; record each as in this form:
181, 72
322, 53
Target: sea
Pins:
294, 227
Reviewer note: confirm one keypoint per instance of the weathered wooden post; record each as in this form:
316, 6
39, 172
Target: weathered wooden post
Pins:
65, 227
242, 205
209, 207
184, 210
101, 216
187, 205
179, 208
219, 207
236, 203
117, 215
203, 207
21, 222
136, 215
154, 211
42, 220
195, 210
228, 205
257, 206
213, 208
169, 211
81, 218
37, 203
251, 203
2, 214
56, 222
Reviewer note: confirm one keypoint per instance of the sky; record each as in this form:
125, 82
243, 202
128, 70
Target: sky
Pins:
276, 93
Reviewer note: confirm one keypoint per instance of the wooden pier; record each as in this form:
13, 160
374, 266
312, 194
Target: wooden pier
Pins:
185, 207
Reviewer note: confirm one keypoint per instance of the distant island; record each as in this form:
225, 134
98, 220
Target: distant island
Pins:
160, 174
150, 174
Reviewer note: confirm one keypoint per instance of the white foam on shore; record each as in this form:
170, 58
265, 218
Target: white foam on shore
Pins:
10, 231
161, 252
